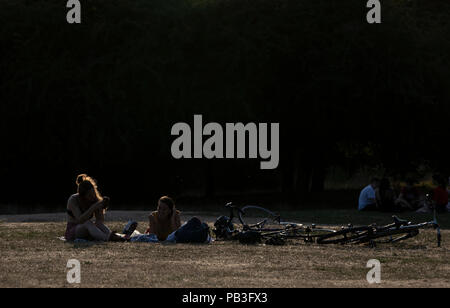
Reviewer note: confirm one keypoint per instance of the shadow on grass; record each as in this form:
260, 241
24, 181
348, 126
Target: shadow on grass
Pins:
87, 244
83, 244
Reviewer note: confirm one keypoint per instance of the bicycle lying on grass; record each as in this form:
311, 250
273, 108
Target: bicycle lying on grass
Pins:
397, 231
262, 225
259, 224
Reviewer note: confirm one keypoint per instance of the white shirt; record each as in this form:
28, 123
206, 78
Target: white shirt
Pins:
366, 197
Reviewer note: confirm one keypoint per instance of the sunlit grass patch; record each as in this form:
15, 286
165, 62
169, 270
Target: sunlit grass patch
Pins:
32, 256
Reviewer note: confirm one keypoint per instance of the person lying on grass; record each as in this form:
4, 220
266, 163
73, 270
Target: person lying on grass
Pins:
82, 207
165, 226
165, 220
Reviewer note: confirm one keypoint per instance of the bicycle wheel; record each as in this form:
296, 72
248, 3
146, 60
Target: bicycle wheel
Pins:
346, 235
258, 218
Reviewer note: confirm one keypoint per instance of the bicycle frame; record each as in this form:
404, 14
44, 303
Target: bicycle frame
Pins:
286, 229
390, 230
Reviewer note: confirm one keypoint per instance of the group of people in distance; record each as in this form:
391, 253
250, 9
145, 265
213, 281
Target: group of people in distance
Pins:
380, 196
88, 203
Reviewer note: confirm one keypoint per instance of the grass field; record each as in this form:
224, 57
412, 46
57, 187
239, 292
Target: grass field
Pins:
32, 256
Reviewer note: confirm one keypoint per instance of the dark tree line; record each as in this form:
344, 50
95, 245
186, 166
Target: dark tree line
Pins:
101, 97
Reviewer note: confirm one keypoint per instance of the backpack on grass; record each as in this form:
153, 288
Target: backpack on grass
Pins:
193, 231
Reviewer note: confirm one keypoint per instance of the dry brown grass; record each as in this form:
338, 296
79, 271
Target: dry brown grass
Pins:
32, 256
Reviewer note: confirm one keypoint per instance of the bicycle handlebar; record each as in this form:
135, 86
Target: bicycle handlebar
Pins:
232, 207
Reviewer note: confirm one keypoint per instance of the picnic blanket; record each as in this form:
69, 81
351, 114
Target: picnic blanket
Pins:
147, 238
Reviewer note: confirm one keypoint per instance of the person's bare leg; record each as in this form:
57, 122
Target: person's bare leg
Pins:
114, 237
102, 227
90, 229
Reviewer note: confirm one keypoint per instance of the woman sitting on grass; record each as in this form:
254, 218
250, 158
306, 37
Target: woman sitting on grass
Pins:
165, 220
82, 207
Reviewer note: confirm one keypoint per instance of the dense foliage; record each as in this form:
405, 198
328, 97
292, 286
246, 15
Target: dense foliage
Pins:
101, 97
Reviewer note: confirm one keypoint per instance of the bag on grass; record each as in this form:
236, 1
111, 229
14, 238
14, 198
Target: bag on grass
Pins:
193, 231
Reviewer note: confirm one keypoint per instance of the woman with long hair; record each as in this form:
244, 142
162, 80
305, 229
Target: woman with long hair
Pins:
165, 223
165, 220
81, 209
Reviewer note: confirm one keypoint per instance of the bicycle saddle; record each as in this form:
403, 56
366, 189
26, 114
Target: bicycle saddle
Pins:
400, 222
